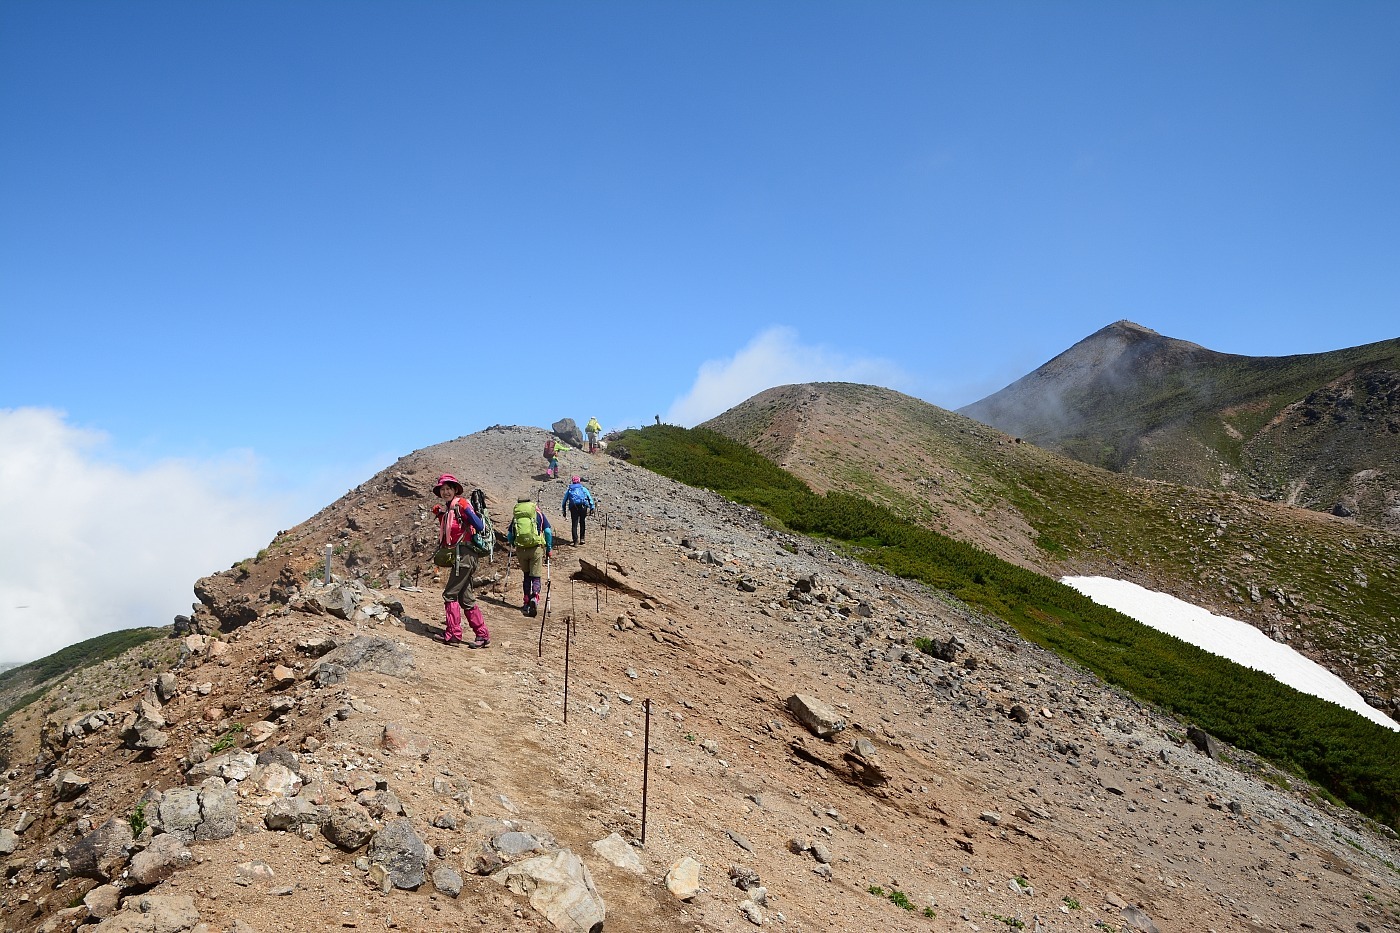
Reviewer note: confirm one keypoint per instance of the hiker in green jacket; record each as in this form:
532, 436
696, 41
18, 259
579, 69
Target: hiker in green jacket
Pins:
593, 429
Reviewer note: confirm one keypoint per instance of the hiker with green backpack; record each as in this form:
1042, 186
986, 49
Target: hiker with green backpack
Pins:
464, 535
531, 533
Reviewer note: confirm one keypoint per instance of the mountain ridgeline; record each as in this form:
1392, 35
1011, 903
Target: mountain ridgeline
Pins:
1318, 430
1328, 587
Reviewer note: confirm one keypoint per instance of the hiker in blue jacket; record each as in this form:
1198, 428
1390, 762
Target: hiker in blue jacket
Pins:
578, 505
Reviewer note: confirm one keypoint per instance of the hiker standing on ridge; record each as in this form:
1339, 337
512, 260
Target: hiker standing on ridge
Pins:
578, 504
593, 429
530, 532
457, 521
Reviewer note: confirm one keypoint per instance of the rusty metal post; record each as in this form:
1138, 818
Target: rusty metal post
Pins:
568, 640
646, 762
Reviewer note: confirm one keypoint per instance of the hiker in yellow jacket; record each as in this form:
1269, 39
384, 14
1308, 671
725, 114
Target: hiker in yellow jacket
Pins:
593, 429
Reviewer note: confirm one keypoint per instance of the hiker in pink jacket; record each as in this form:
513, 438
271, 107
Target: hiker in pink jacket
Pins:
457, 522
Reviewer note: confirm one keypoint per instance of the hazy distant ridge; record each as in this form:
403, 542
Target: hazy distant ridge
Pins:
1318, 430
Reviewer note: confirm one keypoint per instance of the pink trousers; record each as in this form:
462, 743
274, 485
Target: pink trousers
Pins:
453, 626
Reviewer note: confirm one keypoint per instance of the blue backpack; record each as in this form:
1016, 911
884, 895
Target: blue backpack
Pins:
578, 495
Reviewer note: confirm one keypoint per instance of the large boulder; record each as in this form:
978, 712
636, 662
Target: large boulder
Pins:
1204, 742
398, 847
291, 813
369, 653
231, 766
153, 913
819, 719
162, 858
222, 597
348, 827
567, 431
560, 887
202, 813
70, 785
101, 854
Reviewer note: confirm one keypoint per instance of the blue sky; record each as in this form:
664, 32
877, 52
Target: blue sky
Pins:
285, 243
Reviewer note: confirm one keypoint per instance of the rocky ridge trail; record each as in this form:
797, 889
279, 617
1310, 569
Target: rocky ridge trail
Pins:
315, 761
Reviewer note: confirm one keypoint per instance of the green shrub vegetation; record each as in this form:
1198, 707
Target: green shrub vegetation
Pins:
68, 660
898, 898
225, 741
1352, 758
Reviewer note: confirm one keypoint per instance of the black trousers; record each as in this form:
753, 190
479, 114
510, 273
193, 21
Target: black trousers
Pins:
578, 515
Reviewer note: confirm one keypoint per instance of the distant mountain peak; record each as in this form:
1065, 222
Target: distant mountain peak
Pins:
1309, 429
1124, 324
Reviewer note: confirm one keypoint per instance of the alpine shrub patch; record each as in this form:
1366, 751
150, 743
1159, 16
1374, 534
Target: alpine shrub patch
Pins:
1349, 756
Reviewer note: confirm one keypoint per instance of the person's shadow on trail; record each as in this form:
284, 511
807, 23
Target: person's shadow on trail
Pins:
417, 626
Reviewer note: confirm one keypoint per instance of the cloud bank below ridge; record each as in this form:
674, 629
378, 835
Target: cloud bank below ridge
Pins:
89, 546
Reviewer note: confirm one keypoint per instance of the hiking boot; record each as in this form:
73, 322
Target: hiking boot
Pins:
479, 643
533, 609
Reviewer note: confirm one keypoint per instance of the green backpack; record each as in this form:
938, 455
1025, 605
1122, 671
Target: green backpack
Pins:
483, 543
527, 532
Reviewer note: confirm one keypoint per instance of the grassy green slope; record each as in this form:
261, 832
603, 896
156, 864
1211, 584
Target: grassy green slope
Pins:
22, 685
1333, 588
1352, 758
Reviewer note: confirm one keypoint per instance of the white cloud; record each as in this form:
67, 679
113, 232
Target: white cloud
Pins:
773, 358
88, 546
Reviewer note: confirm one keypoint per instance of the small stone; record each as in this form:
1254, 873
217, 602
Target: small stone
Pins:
254, 872
683, 878
448, 881
261, 731
744, 878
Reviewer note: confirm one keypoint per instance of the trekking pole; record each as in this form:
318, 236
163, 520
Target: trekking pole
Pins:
548, 582
544, 615
646, 761
510, 555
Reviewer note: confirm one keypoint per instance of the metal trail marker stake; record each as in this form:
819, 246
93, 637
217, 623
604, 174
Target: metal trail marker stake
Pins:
646, 761
568, 640
328, 564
